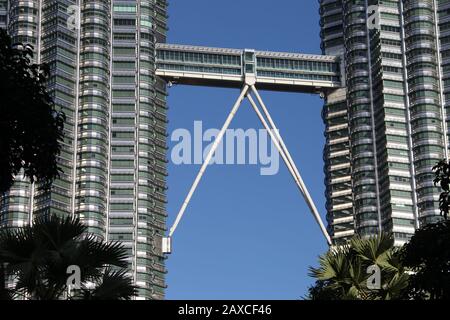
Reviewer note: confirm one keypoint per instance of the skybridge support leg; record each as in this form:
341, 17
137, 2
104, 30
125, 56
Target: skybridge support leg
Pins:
166, 242
281, 146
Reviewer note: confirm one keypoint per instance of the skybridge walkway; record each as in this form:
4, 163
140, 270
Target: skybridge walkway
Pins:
277, 71
250, 71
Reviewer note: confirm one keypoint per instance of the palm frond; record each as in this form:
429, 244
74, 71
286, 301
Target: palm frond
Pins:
115, 285
38, 256
94, 253
333, 264
55, 232
345, 269
374, 249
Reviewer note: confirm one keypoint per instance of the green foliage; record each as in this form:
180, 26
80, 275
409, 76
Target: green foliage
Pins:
114, 285
323, 290
428, 256
30, 128
442, 177
342, 272
38, 256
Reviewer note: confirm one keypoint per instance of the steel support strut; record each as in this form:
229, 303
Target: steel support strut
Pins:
166, 244
279, 144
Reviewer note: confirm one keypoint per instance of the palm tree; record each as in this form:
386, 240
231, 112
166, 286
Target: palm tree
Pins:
342, 272
339, 269
37, 259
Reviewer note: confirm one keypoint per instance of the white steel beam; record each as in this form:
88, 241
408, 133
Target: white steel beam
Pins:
279, 144
216, 143
290, 161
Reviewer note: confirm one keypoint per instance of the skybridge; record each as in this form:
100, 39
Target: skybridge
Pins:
218, 67
250, 71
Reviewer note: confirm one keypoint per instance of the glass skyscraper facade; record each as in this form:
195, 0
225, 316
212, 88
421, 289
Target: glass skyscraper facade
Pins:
389, 126
114, 151
385, 129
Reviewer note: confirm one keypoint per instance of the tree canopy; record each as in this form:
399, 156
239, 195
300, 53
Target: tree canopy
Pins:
442, 177
30, 127
427, 255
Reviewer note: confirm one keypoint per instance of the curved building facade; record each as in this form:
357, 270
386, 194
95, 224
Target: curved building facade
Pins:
385, 114
389, 127
101, 56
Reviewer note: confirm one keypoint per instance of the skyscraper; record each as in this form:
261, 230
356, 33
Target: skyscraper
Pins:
388, 127
385, 128
101, 57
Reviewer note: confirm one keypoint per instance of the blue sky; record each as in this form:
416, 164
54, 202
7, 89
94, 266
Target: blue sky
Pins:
246, 236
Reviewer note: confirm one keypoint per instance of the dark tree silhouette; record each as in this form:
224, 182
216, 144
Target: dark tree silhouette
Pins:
442, 177
427, 254
323, 290
30, 128
5, 294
